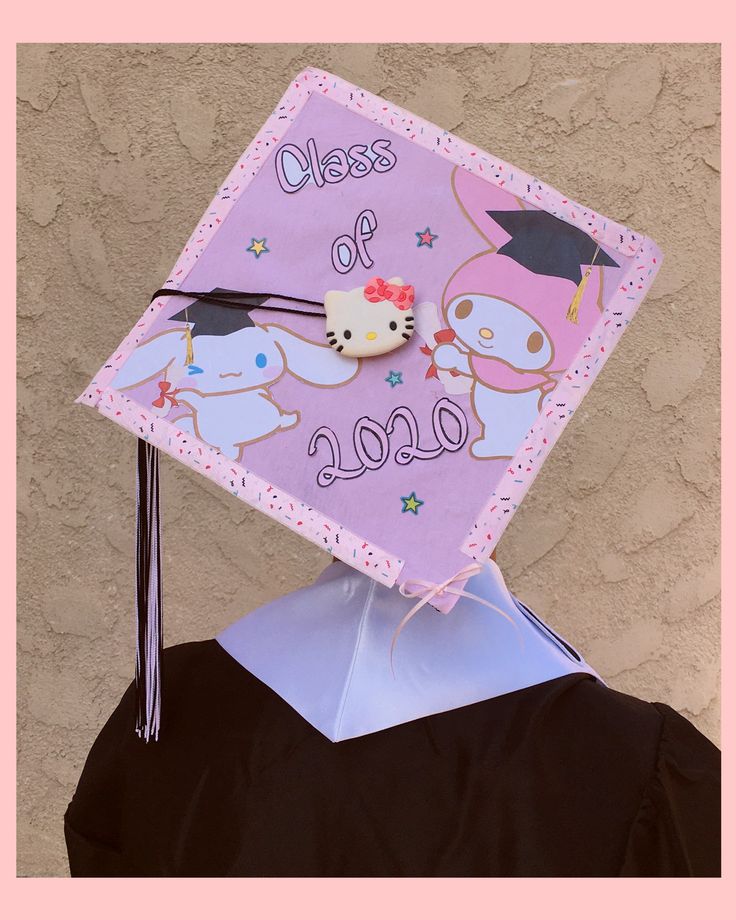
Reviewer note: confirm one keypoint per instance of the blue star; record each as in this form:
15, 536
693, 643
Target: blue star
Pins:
425, 237
394, 377
411, 503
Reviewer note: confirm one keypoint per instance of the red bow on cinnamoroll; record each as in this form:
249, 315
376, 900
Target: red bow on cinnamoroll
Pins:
164, 386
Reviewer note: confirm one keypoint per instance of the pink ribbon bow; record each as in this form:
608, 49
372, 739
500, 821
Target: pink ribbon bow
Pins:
427, 591
402, 295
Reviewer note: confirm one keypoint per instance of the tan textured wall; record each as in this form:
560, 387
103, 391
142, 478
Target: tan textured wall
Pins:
631, 130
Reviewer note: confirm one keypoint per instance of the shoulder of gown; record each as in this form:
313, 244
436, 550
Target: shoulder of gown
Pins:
211, 705
672, 769
677, 829
585, 763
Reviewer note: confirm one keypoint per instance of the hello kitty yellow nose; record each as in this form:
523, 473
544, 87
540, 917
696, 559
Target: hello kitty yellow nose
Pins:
486, 333
371, 336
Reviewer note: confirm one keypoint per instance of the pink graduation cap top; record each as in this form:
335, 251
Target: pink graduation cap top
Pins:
375, 335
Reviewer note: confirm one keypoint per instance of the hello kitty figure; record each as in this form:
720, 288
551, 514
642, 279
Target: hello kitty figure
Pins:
370, 320
517, 312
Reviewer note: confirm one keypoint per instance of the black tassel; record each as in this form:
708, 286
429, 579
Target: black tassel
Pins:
149, 609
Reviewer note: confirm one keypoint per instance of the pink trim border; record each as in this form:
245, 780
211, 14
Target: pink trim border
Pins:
498, 509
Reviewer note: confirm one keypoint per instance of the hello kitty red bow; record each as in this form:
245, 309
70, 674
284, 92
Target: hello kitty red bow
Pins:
402, 295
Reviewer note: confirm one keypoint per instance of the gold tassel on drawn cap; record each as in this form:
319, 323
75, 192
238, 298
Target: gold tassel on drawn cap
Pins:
190, 348
189, 359
572, 310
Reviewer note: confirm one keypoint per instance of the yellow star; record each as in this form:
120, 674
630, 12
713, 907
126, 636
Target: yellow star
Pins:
411, 503
257, 247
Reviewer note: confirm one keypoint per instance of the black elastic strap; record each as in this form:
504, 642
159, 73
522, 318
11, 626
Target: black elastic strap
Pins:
238, 300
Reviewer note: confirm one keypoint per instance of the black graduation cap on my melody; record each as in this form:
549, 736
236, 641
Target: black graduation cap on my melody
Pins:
209, 318
547, 245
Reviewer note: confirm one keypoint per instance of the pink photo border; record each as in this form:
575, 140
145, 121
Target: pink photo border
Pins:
497, 510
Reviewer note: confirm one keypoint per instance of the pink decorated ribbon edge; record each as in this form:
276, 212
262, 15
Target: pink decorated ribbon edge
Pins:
250, 488
516, 181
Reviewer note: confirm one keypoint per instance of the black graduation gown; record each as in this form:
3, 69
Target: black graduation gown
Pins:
566, 778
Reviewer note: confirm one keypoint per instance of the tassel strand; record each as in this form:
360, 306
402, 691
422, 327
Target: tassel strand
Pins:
149, 595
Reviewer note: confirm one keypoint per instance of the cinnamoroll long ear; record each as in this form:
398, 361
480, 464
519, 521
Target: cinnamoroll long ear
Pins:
315, 364
149, 360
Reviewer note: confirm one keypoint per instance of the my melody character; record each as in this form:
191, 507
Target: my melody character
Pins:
225, 365
370, 320
517, 313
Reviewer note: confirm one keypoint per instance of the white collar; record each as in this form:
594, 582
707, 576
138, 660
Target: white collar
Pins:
325, 650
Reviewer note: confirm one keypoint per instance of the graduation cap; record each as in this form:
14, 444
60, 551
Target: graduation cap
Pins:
211, 315
546, 245
222, 311
409, 477
219, 312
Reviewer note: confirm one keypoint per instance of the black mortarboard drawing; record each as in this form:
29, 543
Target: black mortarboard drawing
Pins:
547, 245
217, 319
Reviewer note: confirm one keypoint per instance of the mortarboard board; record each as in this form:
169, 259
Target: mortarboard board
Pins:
406, 465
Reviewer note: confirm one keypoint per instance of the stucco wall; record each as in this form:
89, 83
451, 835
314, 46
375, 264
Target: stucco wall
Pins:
631, 130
